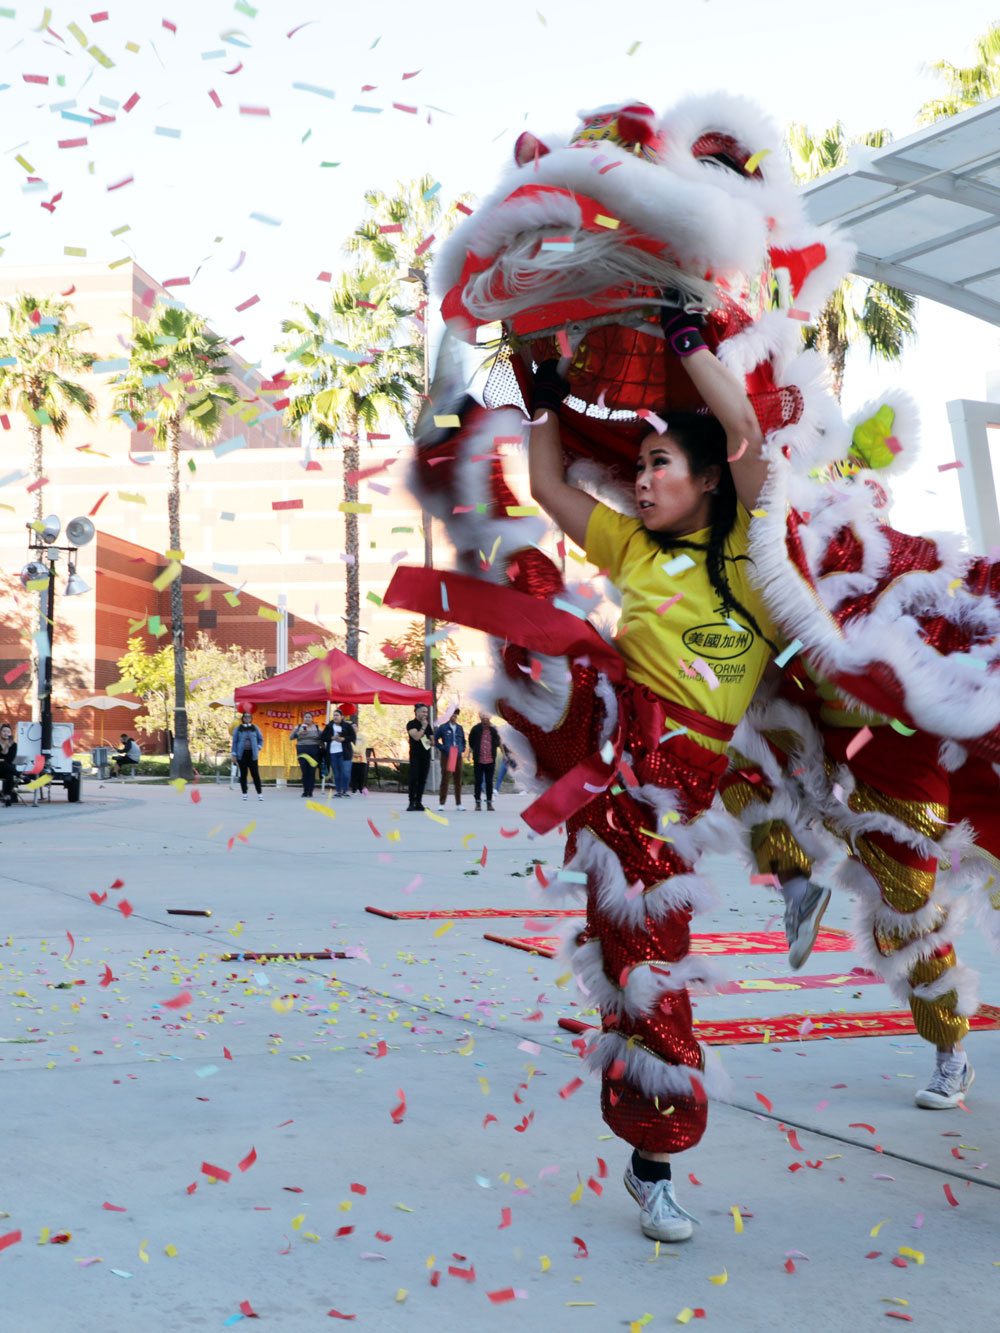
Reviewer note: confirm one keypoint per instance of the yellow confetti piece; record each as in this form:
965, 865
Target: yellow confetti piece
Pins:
174, 555
737, 1220
603, 221
577, 1194
265, 613
354, 507
916, 1255
142, 1252
77, 251
522, 511
878, 1226
393, 835
43, 781
438, 819
894, 1300
203, 596
43, 1236
100, 57
236, 931
170, 1251
245, 832
281, 1006
402, 1207
297, 1221
179, 783
752, 163
172, 571
467, 839
27, 165
401, 1295
484, 1084
447, 422
546, 1262
443, 930
564, 980
685, 1316
720, 1279
430, 1261
759, 513
321, 809
955, 583
310, 1235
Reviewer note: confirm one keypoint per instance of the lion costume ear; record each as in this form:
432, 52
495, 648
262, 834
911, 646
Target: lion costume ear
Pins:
885, 433
528, 148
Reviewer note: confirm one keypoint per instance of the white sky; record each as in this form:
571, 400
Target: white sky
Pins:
491, 69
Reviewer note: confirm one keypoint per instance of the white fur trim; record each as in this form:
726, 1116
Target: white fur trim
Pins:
653, 1077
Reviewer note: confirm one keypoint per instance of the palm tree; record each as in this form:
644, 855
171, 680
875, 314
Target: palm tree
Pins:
882, 315
40, 349
968, 85
350, 375
416, 209
176, 379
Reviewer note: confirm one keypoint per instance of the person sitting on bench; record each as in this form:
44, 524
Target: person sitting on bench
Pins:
8, 756
128, 754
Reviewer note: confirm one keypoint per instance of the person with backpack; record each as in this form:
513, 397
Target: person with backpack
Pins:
247, 745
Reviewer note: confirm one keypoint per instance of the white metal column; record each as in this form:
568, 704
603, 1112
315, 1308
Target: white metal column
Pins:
970, 422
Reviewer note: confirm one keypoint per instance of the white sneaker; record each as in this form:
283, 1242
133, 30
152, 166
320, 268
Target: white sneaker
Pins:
805, 904
460, 809
244, 796
952, 1078
440, 809
260, 796
660, 1215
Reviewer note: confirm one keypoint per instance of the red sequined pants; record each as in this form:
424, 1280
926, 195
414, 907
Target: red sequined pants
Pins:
665, 1122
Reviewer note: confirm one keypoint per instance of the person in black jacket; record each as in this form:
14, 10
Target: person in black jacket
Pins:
307, 738
484, 746
338, 741
417, 730
8, 754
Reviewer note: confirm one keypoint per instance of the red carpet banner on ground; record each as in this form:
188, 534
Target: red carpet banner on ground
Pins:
808, 1027
827, 941
472, 913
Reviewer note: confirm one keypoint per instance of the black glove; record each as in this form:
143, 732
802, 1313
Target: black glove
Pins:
548, 388
681, 328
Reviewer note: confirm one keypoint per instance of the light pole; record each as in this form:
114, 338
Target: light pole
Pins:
39, 575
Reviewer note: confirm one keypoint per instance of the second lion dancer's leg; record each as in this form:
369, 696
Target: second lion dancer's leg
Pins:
902, 785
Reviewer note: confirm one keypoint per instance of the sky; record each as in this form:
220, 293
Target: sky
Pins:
243, 205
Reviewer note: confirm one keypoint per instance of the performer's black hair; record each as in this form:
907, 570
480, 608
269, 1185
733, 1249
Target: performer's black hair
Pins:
703, 439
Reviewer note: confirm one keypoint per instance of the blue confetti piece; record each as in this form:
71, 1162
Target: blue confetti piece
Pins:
786, 656
225, 569
263, 217
166, 132
228, 446
429, 194
444, 598
678, 565
104, 367
314, 88
561, 605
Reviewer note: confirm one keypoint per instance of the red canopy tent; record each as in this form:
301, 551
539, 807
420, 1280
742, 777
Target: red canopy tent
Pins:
335, 678
279, 702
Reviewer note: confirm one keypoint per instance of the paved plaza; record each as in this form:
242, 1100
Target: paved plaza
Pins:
398, 1134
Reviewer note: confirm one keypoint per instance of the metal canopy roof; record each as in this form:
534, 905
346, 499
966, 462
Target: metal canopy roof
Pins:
924, 212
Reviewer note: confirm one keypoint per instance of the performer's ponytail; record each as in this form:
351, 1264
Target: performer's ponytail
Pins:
703, 440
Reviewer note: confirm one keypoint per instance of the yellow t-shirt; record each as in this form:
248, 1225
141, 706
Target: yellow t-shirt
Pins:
653, 642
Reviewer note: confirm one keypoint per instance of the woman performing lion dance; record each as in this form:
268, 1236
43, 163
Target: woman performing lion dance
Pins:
594, 256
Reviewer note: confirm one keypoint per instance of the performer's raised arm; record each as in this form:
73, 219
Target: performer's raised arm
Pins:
566, 505
726, 399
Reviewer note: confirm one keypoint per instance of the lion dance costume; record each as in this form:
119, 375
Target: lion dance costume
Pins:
572, 255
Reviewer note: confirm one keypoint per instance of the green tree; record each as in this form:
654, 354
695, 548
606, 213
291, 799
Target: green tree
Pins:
350, 374
405, 656
152, 679
968, 85
213, 672
40, 350
176, 379
857, 309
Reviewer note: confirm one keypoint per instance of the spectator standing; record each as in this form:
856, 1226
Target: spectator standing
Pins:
359, 760
484, 746
8, 754
449, 739
306, 737
247, 745
338, 740
417, 730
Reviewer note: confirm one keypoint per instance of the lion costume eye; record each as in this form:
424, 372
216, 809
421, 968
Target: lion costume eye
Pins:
724, 151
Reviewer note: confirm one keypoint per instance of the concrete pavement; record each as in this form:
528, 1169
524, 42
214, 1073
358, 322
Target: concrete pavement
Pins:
352, 1101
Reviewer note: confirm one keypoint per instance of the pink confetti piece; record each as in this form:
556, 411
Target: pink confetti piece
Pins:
572, 1086
793, 313
859, 739
950, 1196
179, 1001
948, 467
251, 1157
706, 673
563, 340
11, 1238
218, 1172
218, 102
245, 305
657, 422
505, 1219
113, 1208
255, 111
880, 1176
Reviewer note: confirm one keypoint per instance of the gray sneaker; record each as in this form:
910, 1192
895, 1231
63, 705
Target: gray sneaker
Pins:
660, 1215
952, 1078
805, 904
